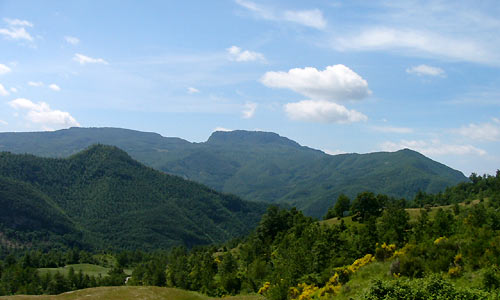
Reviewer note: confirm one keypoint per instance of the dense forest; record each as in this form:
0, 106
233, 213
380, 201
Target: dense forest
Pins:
257, 166
374, 248
101, 198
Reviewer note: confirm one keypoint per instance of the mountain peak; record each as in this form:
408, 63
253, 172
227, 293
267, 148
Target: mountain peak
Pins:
99, 152
249, 137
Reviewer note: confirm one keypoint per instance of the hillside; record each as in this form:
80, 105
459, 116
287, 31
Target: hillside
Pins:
256, 165
130, 292
28, 216
117, 202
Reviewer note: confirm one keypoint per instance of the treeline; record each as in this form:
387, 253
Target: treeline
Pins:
292, 256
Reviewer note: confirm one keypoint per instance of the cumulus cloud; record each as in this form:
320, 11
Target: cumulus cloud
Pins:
310, 18
3, 91
425, 70
434, 147
13, 89
336, 83
237, 54
325, 89
83, 59
4, 69
72, 40
41, 113
16, 29
249, 110
192, 90
323, 112
54, 87
482, 132
391, 129
35, 83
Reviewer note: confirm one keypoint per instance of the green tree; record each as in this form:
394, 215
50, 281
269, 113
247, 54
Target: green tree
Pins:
343, 204
367, 205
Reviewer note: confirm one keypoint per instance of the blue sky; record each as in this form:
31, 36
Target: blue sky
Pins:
340, 76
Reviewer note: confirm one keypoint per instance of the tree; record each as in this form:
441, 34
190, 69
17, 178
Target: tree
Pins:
367, 205
393, 225
343, 204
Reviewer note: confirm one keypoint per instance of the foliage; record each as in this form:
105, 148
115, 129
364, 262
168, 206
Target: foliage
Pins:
102, 198
260, 166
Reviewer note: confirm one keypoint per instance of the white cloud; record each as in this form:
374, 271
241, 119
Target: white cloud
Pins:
434, 147
54, 87
249, 110
222, 129
390, 129
334, 152
13, 89
4, 69
261, 11
310, 18
482, 132
41, 113
192, 90
414, 42
35, 83
237, 54
72, 40
82, 60
323, 112
17, 22
335, 83
16, 30
422, 70
3, 122
3, 91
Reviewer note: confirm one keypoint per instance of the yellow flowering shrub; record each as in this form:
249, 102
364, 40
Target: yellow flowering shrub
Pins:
455, 271
384, 251
332, 287
264, 288
439, 240
360, 262
458, 260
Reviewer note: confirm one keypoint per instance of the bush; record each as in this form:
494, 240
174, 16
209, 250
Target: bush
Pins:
411, 266
491, 279
432, 287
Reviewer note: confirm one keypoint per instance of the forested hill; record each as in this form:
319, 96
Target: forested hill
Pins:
103, 198
256, 165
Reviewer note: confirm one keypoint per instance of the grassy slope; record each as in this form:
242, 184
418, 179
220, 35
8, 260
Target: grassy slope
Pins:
87, 269
361, 281
413, 212
129, 292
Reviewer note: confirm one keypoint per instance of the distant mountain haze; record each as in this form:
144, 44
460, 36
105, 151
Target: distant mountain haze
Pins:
257, 166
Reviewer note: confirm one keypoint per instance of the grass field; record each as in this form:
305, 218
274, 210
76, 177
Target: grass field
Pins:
413, 212
89, 269
129, 293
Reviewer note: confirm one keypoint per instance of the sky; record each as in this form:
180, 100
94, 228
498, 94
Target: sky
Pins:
340, 76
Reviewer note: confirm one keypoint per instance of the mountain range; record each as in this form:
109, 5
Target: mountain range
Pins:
257, 166
101, 198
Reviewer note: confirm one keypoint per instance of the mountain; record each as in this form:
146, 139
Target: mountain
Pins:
115, 201
29, 216
258, 166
